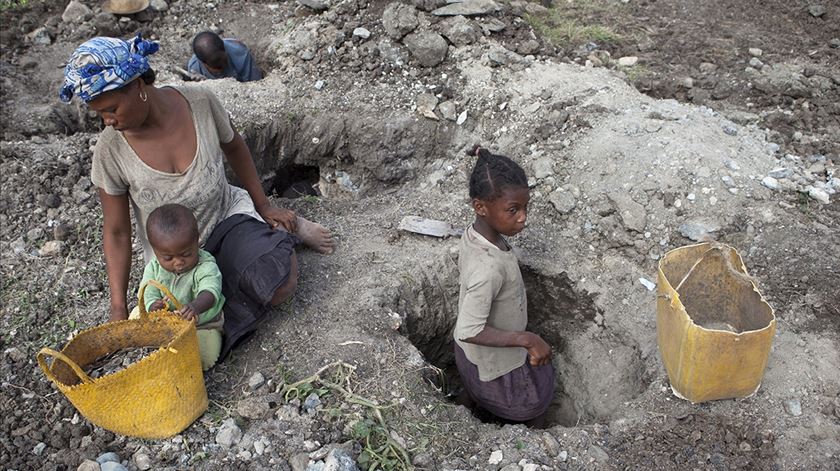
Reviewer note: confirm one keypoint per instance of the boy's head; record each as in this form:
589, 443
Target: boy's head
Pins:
499, 191
173, 234
209, 48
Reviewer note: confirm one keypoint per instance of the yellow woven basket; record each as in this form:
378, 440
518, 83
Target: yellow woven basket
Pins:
713, 326
156, 397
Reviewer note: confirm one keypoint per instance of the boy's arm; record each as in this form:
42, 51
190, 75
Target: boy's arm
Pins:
208, 284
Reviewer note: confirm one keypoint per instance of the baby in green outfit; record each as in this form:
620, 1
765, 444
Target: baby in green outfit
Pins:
190, 273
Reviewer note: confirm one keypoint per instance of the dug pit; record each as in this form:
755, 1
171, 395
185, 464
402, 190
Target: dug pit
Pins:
599, 368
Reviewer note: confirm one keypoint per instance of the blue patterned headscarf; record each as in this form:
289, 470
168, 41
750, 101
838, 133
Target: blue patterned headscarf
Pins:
102, 64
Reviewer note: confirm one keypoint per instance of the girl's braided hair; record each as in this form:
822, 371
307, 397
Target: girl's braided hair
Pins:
493, 173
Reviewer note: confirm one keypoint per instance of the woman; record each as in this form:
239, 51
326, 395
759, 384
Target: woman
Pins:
168, 145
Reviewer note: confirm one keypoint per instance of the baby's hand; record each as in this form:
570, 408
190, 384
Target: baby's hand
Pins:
157, 305
188, 312
539, 352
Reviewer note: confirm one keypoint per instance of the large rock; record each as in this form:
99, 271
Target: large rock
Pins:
106, 24
76, 12
399, 19
428, 48
459, 31
468, 8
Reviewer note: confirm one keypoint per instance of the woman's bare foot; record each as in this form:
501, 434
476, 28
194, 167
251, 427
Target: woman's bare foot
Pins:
315, 236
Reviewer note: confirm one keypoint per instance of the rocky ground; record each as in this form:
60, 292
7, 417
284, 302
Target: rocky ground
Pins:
643, 126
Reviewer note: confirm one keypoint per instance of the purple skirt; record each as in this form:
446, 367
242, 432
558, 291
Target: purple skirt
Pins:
521, 395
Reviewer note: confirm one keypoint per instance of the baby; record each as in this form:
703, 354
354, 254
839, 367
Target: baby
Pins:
190, 274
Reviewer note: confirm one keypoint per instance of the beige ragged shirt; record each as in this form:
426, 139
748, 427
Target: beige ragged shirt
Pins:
202, 187
492, 293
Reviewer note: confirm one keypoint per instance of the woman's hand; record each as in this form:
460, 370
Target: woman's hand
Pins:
275, 217
539, 352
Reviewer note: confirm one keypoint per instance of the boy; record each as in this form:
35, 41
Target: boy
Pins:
190, 273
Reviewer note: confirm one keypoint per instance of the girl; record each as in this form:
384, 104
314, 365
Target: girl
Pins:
505, 369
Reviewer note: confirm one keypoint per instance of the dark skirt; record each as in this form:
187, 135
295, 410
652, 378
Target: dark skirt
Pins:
255, 260
521, 395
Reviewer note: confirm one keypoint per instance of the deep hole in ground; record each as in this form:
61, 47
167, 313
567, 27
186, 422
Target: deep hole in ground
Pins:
598, 368
294, 181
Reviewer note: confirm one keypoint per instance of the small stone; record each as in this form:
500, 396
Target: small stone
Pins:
687, 82
422, 460
816, 10
730, 130
426, 103
628, 61
229, 434
647, 284
89, 465
428, 48
818, 194
563, 201
563, 456
780, 172
511, 467
299, 462
771, 183
598, 453
495, 457
448, 110
253, 408
256, 380
312, 402
14, 354
744, 446
319, 85
835, 43
793, 407
633, 215
543, 167
108, 457
40, 36
755, 52
76, 12
699, 230
159, 5
317, 5
339, 460
707, 67
399, 19
468, 8
462, 118
39, 448
756, 63
62, 231
459, 31
112, 466
142, 461
363, 33
259, 447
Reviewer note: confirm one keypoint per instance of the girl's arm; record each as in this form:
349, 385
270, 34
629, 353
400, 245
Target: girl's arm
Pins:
242, 163
116, 240
539, 352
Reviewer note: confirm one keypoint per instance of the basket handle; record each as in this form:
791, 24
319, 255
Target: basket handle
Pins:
60, 356
163, 289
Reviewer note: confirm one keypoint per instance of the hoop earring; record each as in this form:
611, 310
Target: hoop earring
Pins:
143, 96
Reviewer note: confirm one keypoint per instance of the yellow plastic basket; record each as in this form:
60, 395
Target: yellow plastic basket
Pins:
156, 397
713, 326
